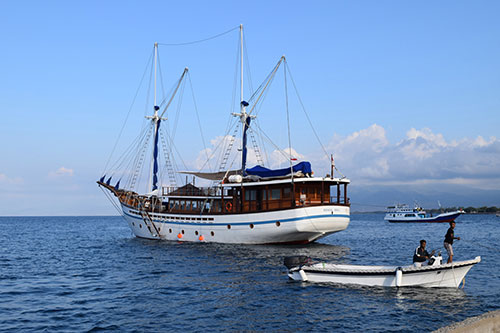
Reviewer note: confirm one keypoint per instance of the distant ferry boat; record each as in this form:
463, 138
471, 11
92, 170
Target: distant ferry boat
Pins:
403, 213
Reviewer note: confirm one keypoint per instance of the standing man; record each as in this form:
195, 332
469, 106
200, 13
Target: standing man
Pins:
448, 241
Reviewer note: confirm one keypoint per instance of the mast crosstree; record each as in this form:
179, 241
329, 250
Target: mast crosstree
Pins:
153, 175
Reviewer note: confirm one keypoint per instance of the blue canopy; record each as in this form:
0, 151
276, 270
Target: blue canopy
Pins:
260, 171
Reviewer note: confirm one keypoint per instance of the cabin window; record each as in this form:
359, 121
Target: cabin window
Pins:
275, 194
287, 192
264, 194
195, 205
251, 195
183, 204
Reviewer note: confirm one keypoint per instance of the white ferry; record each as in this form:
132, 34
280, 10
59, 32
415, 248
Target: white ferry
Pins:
403, 213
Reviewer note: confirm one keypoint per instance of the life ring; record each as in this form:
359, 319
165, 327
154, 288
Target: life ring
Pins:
229, 206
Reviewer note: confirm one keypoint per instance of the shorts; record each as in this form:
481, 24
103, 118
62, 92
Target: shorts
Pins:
448, 248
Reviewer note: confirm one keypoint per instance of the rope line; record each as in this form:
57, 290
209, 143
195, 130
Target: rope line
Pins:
128, 113
200, 40
307, 116
199, 121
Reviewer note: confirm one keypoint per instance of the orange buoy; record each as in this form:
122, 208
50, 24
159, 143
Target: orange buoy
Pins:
179, 235
201, 238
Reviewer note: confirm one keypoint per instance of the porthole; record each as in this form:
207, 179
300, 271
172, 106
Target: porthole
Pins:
133, 224
229, 226
278, 223
251, 225
196, 233
212, 233
170, 230
140, 225
182, 232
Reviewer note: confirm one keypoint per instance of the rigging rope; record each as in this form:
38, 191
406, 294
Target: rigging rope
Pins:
129, 110
201, 40
307, 116
288, 122
271, 142
199, 122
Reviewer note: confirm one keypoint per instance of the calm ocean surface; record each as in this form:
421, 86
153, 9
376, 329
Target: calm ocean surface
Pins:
91, 274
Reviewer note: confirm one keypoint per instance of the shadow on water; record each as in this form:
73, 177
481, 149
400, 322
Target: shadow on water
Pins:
252, 255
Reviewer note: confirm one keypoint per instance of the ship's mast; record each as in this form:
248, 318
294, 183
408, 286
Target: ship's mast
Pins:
153, 175
245, 118
241, 63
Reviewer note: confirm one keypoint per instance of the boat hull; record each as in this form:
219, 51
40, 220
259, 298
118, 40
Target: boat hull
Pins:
444, 276
299, 225
441, 218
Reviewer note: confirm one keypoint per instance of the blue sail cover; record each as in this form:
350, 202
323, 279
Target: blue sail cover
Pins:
260, 171
244, 154
155, 156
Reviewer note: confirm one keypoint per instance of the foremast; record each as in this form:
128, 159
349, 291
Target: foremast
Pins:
156, 119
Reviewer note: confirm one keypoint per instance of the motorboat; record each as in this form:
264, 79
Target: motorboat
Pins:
403, 213
431, 274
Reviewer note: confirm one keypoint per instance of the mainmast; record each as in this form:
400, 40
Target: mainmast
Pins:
245, 118
153, 179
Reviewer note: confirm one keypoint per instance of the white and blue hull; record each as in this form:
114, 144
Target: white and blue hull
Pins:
297, 225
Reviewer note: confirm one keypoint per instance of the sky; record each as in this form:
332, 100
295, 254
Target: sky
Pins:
404, 94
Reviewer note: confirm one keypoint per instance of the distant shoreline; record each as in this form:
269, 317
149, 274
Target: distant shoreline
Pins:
383, 212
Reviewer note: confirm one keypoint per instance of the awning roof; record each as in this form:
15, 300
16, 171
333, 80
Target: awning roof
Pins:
212, 175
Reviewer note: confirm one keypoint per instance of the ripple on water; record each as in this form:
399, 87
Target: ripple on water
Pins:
88, 274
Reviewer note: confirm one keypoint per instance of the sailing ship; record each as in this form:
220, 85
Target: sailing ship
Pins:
255, 205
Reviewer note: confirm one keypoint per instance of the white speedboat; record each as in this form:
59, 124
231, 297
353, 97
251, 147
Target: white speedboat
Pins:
403, 213
435, 274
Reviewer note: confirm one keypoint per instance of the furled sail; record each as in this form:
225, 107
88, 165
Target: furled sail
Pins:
303, 167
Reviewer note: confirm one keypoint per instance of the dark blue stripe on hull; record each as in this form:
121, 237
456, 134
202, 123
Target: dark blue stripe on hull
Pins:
448, 218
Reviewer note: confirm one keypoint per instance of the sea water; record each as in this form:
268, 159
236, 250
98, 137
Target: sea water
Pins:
90, 274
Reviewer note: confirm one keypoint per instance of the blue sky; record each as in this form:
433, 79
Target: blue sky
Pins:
383, 81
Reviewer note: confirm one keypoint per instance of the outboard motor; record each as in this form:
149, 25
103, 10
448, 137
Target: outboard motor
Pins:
296, 261
435, 260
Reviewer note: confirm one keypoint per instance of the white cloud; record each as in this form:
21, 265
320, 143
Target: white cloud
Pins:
368, 157
4, 179
61, 172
